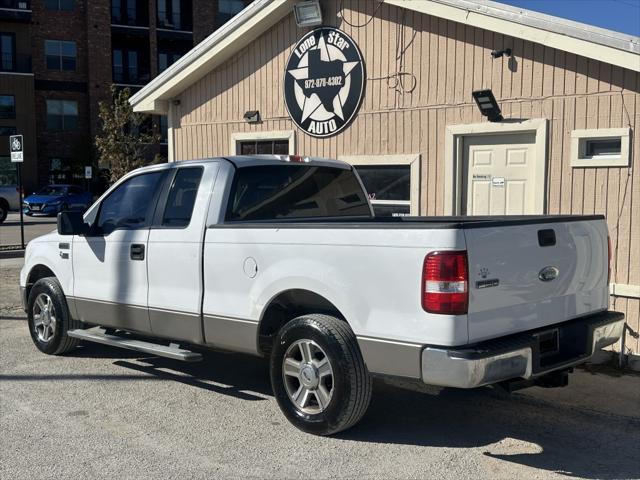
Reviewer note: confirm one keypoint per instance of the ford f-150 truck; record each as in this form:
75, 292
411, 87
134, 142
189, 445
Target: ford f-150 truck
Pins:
283, 257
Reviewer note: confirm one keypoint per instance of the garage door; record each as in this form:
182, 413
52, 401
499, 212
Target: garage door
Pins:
501, 175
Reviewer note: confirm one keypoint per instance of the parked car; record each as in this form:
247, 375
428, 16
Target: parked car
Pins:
282, 257
53, 199
9, 200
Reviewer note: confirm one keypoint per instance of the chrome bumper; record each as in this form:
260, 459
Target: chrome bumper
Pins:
493, 362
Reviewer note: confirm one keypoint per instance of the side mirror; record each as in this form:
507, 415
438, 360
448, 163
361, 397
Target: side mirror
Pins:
71, 223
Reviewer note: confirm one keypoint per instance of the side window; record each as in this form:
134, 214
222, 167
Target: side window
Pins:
129, 205
272, 192
182, 197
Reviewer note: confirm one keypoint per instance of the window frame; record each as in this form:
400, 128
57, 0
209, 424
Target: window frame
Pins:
579, 139
94, 230
10, 115
411, 160
60, 56
14, 66
59, 6
163, 198
62, 115
273, 135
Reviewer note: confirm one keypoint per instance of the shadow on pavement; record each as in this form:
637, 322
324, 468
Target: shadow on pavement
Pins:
510, 428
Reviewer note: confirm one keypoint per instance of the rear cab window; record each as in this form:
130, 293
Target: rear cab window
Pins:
182, 197
273, 192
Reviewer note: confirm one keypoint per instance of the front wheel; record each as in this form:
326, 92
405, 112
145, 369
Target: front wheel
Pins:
318, 375
49, 318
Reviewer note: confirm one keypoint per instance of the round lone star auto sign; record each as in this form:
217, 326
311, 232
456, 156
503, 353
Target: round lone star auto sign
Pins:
324, 81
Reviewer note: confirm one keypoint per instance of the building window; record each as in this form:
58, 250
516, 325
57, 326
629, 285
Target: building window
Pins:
166, 59
389, 188
8, 52
65, 5
606, 147
62, 115
263, 147
227, 9
60, 55
391, 181
127, 68
174, 15
163, 125
5, 130
8, 171
276, 142
7, 106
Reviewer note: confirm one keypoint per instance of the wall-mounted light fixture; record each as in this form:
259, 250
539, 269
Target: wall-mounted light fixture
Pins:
308, 13
252, 116
500, 53
488, 105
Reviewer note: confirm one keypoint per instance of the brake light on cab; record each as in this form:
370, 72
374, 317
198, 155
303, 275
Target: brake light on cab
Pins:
445, 283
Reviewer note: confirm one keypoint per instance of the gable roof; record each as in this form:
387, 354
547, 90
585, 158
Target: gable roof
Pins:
578, 38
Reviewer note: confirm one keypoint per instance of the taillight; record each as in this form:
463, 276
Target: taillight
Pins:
445, 286
609, 259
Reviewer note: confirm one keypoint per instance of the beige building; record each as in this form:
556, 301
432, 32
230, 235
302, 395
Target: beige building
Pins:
403, 110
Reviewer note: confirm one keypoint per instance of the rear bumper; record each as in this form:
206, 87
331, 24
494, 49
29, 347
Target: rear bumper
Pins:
520, 355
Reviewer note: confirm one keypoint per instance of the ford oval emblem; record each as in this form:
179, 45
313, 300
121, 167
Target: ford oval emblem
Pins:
548, 274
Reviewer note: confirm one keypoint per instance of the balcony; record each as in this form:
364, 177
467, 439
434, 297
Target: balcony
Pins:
15, 10
132, 75
128, 17
10, 63
174, 21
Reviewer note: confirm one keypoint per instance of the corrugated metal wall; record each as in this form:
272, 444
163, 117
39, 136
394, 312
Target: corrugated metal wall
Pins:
444, 61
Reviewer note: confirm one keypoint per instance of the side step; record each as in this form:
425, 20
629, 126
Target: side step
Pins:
98, 335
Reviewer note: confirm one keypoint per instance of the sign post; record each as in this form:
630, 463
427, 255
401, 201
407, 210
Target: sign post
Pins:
16, 147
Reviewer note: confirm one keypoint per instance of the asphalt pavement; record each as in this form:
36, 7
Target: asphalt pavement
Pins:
34, 227
100, 412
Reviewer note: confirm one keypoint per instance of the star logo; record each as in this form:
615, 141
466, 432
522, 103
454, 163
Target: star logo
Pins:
324, 82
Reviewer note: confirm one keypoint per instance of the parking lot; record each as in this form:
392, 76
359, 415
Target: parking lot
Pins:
33, 227
106, 413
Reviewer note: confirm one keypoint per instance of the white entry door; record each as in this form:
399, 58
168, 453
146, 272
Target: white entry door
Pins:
502, 175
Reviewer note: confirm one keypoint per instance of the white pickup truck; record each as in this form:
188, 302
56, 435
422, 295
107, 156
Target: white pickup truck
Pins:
283, 257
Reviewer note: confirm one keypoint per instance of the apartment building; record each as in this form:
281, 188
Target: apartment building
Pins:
60, 57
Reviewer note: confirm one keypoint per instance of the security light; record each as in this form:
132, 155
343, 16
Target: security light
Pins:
308, 13
487, 105
500, 53
252, 116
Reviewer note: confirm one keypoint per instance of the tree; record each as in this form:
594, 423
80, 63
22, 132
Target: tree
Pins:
126, 140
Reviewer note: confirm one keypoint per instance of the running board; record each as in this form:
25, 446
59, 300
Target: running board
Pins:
99, 336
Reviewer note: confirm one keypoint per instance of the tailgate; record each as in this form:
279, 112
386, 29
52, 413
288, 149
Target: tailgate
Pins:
526, 276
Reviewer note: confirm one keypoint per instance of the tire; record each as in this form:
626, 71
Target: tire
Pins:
4, 210
49, 334
336, 400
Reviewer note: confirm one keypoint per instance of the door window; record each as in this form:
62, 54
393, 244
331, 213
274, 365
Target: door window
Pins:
182, 197
130, 205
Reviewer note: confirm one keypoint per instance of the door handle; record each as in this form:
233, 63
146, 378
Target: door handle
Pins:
137, 251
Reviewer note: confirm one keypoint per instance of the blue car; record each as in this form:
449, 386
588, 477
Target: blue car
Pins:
53, 199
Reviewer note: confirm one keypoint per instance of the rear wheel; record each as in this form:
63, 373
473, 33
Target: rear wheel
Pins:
49, 319
318, 375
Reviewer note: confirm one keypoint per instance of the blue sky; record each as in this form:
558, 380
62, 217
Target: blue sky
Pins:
619, 15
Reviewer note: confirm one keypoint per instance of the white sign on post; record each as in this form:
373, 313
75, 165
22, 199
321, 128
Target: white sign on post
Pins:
16, 146
88, 172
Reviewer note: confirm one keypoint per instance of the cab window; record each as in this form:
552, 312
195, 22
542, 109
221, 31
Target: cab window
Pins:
182, 197
130, 206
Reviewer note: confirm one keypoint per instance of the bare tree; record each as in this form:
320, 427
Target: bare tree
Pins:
126, 140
